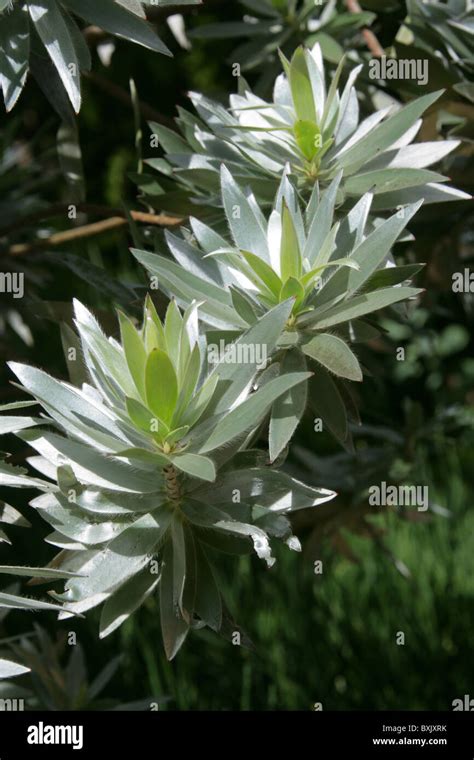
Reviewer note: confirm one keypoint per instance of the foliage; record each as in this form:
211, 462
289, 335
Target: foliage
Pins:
318, 133
340, 647
48, 684
446, 27
205, 425
129, 475
268, 26
29, 29
336, 273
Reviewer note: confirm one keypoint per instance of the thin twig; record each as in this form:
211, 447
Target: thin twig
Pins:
371, 40
90, 230
61, 209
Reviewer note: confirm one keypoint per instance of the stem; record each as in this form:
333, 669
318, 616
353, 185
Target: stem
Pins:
172, 484
88, 230
371, 40
60, 209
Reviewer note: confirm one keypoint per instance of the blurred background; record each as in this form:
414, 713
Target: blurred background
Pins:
317, 633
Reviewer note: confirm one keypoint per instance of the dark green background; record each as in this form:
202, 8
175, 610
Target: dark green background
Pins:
327, 638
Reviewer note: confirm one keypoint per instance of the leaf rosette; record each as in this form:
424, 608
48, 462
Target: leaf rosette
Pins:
317, 131
336, 274
150, 469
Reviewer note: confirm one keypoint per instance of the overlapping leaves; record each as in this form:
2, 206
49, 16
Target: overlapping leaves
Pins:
147, 467
335, 273
271, 25
60, 679
443, 27
316, 131
44, 36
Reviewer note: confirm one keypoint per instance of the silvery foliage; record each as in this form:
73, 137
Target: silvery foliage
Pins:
148, 467
11, 669
316, 131
33, 32
443, 29
146, 457
17, 477
60, 677
338, 273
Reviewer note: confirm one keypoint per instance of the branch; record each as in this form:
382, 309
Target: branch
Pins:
90, 230
61, 209
371, 40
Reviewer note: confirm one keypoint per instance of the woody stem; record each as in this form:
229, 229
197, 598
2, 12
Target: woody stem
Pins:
172, 485
370, 39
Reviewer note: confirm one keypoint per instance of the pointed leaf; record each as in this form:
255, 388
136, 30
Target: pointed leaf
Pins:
290, 256
173, 627
122, 558
113, 18
195, 465
11, 601
15, 51
126, 600
308, 135
246, 229
187, 287
328, 404
135, 353
54, 33
172, 327
248, 414
143, 418
9, 669
334, 354
207, 604
301, 90
233, 379
289, 408
263, 271
161, 385
360, 305
10, 516
13, 424
292, 289
385, 134
47, 573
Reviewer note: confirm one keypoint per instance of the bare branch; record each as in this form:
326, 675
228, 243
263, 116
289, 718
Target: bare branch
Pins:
91, 230
371, 40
